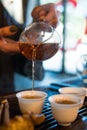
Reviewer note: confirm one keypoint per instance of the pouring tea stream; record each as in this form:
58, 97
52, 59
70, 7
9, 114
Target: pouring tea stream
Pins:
38, 42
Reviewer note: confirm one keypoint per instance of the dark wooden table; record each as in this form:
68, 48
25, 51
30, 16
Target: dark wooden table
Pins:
50, 123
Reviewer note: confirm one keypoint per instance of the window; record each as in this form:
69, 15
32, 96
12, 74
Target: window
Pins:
74, 28
71, 28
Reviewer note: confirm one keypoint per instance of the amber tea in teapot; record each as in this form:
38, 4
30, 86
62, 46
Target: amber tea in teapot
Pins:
39, 41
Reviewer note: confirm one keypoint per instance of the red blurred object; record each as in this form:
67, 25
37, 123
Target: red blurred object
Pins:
74, 2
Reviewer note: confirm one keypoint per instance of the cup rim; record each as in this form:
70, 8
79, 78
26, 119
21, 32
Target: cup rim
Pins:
77, 103
19, 95
83, 92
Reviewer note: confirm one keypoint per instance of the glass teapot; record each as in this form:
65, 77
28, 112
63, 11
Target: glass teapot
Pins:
39, 41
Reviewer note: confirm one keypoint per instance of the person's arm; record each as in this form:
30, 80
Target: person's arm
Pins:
47, 13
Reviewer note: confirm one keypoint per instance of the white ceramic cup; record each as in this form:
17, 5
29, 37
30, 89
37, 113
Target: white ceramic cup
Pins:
34, 104
65, 113
78, 91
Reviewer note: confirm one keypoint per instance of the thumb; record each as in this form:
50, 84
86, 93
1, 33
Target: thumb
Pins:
8, 30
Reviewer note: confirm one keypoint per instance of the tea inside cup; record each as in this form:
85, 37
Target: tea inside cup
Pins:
31, 101
65, 108
78, 91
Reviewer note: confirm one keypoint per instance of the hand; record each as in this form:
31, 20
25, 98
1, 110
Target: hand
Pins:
8, 45
47, 13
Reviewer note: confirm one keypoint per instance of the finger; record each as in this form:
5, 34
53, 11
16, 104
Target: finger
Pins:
9, 46
42, 13
54, 22
35, 12
52, 18
42, 18
50, 15
8, 30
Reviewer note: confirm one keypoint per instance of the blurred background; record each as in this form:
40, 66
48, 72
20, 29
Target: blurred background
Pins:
73, 29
